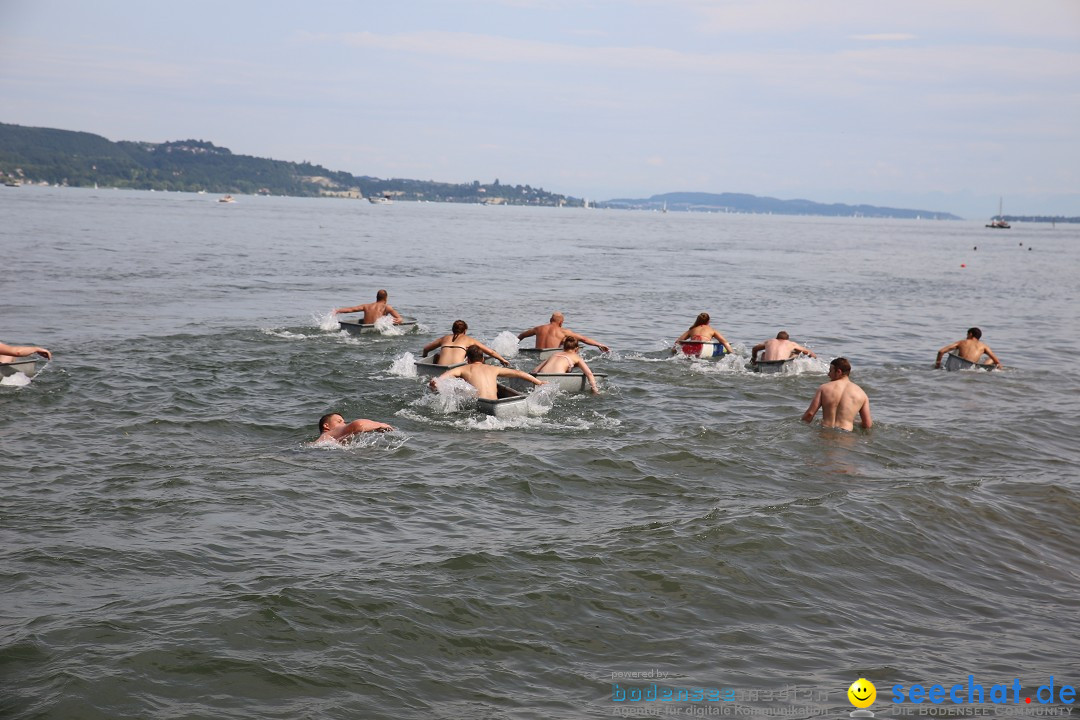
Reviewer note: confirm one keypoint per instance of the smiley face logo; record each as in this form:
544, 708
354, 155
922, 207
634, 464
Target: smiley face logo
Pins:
862, 693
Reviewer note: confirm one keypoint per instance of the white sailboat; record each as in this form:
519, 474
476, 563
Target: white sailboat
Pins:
998, 222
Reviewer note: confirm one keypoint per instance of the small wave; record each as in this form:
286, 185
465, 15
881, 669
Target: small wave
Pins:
506, 344
404, 366
284, 334
16, 379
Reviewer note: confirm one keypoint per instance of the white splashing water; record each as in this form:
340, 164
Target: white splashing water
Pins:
16, 379
506, 344
542, 399
328, 321
404, 366
454, 395
385, 326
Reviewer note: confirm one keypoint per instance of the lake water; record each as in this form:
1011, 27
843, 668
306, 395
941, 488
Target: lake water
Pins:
173, 545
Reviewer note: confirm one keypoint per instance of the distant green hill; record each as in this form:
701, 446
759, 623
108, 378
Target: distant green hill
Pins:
742, 203
65, 157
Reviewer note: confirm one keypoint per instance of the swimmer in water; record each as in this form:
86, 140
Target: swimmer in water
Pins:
452, 347
779, 348
840, 400
373, 310
971, 348
333, 427
566, 360
552, 334
485, 378
703, 332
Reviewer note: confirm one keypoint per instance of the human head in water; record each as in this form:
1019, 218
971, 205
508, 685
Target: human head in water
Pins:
570, 343
380, 296
460, 327
842, 366
975, 333
474, 354
702, 319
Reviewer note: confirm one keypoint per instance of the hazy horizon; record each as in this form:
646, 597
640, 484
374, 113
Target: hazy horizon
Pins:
944, 107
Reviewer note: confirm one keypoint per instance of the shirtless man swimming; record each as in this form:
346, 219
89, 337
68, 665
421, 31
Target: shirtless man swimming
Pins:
970, 348
703, 331
566, 360
551, 335
373, 310
452, 347
8, 353
333, 427
840, 399
483, 377
780, 348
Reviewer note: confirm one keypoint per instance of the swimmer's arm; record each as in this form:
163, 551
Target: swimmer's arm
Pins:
988, 351
815, 404
453, 372
675, 347
513, 372
431, 346
723, 342
393, 313
358, 308
942, 351
363, 426
528, 333
589, 374
804, 351
753, 352
589, 341
864, 414
24, 350
492, 353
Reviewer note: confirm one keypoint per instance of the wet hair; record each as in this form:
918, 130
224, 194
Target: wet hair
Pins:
570, 343
842, 365
473, 353
975, 333
460, 327
323, 422
380, 296
702, 319
782, 335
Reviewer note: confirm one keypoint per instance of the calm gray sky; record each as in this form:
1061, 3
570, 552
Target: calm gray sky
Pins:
935, 104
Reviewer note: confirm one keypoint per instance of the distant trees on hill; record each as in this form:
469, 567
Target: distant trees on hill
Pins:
65, 157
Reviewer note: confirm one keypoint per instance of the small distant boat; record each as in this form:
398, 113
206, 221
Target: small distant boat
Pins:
355, 327
226, 199
510, 403
380, 199
26, 366
570, 382
12, 183
955, 362
701, 348
772, 367
998, 222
